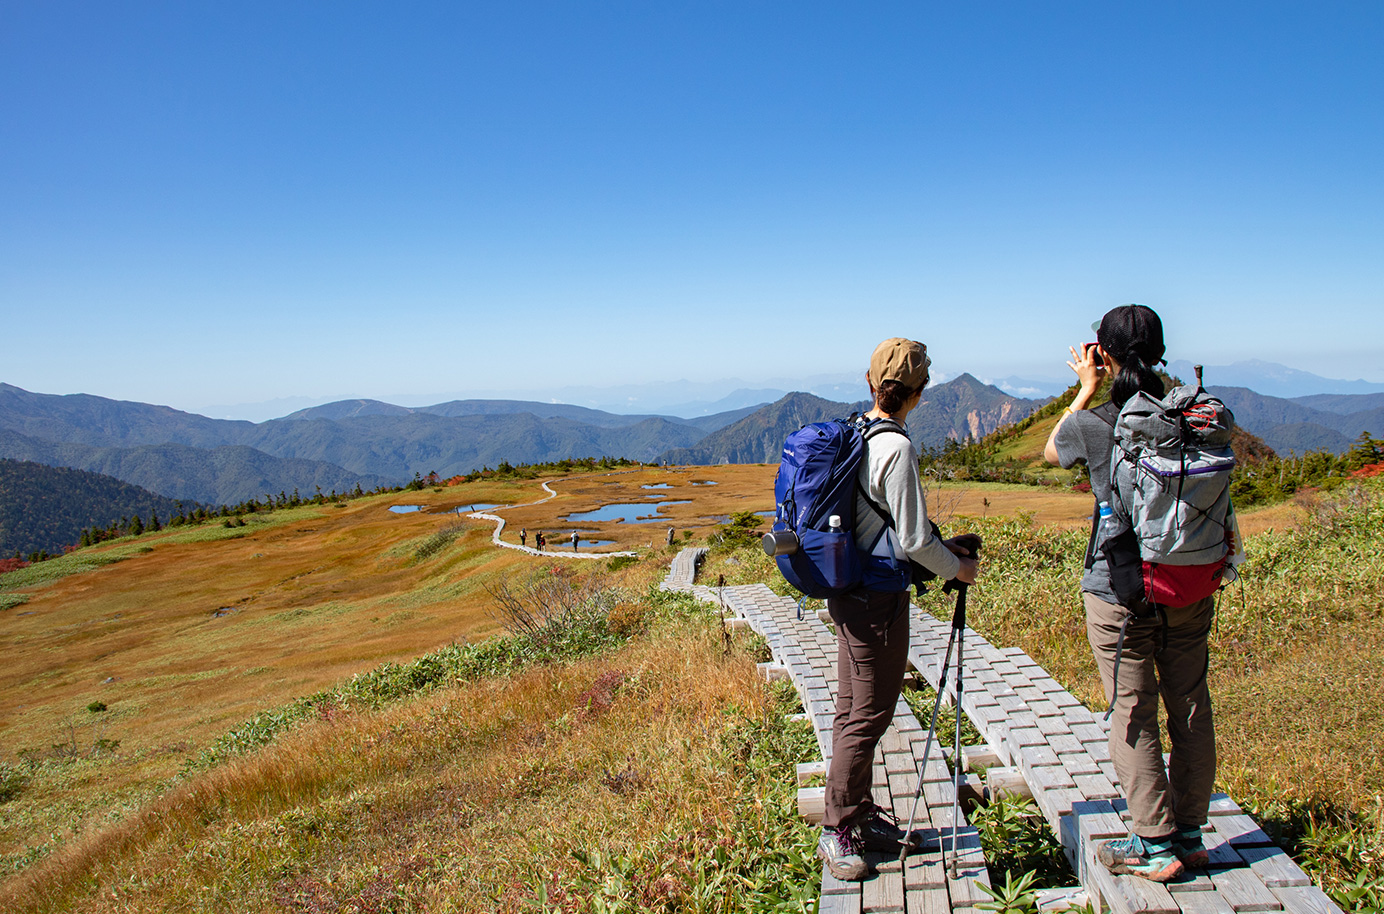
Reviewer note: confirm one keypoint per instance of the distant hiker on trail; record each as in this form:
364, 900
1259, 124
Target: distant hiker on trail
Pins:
538, 540
872, 624
1163, 651
523, 535
575, 540
670, 536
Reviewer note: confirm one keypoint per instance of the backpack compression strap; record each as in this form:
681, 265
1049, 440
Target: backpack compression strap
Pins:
1106, 413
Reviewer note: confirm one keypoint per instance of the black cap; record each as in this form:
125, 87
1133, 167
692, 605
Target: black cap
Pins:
1131, 330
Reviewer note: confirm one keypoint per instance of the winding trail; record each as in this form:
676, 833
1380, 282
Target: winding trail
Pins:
546, 553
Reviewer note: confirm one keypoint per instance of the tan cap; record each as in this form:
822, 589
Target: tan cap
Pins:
900, 360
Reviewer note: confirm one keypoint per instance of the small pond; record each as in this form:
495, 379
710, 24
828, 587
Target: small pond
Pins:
703, 482
657, 485
467, 509
626, 513
404, 509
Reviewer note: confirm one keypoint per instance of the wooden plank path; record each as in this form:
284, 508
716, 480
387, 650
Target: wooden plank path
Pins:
805, 652
1030, 723
1035, 725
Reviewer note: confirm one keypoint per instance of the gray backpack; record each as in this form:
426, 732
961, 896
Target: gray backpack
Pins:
1170, 481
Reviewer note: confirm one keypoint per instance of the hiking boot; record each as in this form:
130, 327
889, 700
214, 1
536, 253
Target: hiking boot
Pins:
1135, 856
840, 849
1189, 849
880, 832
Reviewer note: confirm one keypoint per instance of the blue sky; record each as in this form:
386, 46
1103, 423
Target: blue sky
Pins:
227, 203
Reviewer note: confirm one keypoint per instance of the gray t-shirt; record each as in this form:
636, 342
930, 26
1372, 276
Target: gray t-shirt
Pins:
1087, 438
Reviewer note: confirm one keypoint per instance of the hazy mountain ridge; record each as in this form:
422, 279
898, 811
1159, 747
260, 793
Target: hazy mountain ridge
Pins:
1271, 379
962, 407
758, 438
221, 475
1292, 425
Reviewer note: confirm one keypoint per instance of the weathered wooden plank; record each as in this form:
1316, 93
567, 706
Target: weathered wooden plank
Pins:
1054, 726
1125, 894
1060, 899
806, 771
1240, 830
1190, 881
927, 900
1096, 787
1079, 764
1055, 804
1035, 756
978, 757
1090, 733
882, 893
1090, 821
1065, 744
1203, 903
923, 869
840, 903
1049, 777
1222, 805
969, 873
1243, 890
812, 803
1019, 737
1004, 781
1274, 867
1305, 899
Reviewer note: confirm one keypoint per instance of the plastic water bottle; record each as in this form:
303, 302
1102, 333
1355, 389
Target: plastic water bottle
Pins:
835, 563
1104, 522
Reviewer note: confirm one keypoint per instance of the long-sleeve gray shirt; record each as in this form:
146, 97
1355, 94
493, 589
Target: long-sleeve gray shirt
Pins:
889, 473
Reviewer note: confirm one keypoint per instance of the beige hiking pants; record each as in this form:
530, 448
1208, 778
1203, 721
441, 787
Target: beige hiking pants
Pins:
1170, 662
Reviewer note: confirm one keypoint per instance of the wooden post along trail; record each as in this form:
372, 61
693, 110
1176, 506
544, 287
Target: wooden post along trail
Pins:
1041, 742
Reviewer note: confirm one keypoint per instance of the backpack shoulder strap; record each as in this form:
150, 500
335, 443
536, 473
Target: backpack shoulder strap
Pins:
1107, 412
869, 428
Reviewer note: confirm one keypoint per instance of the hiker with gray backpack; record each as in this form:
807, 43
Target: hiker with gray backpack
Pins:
1163, 539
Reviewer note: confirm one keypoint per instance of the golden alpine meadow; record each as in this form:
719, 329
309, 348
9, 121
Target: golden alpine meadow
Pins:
339, 707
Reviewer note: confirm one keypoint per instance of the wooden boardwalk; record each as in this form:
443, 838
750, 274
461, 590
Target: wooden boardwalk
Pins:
1033, 726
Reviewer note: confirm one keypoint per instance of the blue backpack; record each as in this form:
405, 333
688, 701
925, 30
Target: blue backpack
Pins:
816, 485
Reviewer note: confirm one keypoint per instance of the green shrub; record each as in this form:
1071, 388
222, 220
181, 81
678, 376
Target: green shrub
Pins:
13, 780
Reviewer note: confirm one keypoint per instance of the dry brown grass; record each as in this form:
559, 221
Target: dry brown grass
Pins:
463, 801
331, 593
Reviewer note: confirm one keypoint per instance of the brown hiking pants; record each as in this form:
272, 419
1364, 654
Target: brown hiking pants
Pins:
1171, 662
871, 658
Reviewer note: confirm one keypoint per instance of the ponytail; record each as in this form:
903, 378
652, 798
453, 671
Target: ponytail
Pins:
1135, 376
890, 396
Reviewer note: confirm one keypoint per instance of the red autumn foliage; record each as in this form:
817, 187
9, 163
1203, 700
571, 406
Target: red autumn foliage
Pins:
12, 565
1369, 469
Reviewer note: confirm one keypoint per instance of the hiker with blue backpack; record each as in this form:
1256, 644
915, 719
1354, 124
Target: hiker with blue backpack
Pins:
853, 533
1163, 533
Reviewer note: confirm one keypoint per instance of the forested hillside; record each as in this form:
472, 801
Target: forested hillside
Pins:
44, 508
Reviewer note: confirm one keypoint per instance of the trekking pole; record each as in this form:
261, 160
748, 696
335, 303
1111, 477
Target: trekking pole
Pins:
957, 638
958, 626
931, 732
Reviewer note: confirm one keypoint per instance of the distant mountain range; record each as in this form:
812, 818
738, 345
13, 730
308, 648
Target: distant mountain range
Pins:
371, 443
688, 399
1272, 379
1320, 422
